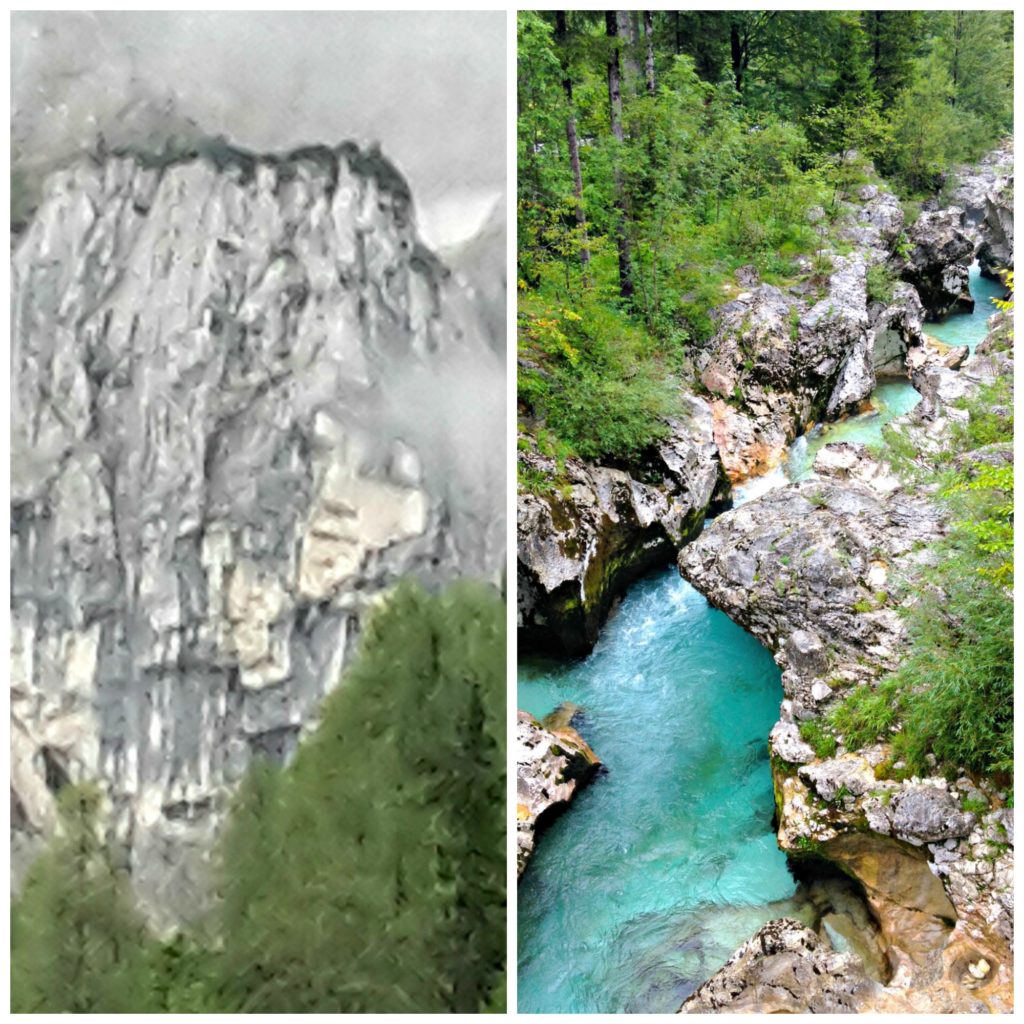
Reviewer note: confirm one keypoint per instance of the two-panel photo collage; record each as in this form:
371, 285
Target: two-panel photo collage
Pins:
511, 511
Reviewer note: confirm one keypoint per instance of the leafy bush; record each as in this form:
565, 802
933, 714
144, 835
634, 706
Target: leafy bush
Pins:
881, 282
598, 387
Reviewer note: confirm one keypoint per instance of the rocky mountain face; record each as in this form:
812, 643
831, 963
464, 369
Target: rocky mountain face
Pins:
808, 570
229, 381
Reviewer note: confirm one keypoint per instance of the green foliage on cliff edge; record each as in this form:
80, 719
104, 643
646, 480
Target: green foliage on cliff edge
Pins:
952, 696
77, 945
367, 876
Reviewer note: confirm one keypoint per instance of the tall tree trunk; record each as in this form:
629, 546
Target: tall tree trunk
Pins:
649, 40
736, 48
958, 35
677, 22
628, 52
615, 116
562, 38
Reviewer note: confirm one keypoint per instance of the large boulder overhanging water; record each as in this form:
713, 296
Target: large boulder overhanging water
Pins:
985, 191
553, 762
939, 260
579, 547
239, 388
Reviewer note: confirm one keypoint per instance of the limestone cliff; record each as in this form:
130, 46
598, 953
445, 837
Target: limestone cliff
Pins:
231, 376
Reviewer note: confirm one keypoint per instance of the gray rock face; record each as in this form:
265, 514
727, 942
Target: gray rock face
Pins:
995, 254
551, 765
927, 814
776, 363
985, 191
786, 743
217, 464
578, 549
805, 569
896, 329
939, 262
785, 968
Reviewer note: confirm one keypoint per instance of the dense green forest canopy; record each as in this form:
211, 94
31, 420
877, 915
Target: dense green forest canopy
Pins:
659, 151
366, 876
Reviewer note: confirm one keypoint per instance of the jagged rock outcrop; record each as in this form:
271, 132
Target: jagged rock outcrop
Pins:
776, 363
215, 469
938, 878
875, 222
985, 191
785, 968
896, 328
586, 537
780, 361
552, 762
938, 264
807, 570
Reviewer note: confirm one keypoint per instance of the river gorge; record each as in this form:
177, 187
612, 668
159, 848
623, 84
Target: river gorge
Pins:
668, 861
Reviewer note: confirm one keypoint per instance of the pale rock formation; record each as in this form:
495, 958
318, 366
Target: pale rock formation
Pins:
207, 490
552, 762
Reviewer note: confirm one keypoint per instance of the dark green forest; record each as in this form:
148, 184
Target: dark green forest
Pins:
367, 875
660, 151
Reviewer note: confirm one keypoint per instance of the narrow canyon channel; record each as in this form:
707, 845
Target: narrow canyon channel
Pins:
667, 862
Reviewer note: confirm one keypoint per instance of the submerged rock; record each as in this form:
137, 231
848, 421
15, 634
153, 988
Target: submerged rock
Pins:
582, 542
785, 968
216, 467
552, 763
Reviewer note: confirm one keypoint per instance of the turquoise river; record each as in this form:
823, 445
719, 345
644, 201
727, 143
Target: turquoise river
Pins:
667, 861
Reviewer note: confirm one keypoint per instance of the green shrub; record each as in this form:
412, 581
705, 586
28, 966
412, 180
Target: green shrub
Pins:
816, 733
952, 695
881, 282
77, 944
601, 390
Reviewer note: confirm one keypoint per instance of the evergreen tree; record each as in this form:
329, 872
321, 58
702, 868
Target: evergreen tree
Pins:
892, 38
977, 48
925, 127
370, 875
77, 945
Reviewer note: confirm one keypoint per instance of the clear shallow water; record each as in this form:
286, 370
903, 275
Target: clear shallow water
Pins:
667, 862
969, 328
